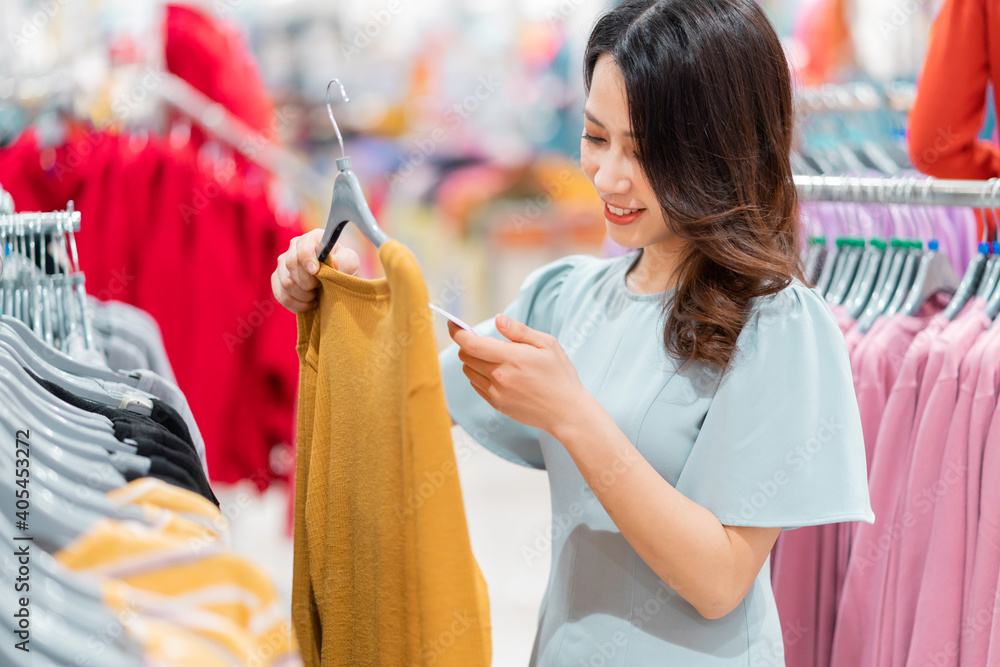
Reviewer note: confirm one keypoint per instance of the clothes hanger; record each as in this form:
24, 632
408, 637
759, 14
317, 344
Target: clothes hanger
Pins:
989, 278
349, 203
85, 431
35, 392
868, 273
100, 476
72, 383
53, 522
890, 269
84, 590
61, 360
993, 293
913, 249
975, 273
875, 271
935, 274
849, 269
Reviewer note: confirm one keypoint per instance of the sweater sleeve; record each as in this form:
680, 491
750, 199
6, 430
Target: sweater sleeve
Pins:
951, 97
535, 305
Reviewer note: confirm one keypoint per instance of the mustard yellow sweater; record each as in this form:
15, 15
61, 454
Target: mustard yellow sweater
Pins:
384, 574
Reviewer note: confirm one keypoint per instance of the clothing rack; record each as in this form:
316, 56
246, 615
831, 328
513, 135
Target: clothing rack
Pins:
900, 190
897, 96
36, 223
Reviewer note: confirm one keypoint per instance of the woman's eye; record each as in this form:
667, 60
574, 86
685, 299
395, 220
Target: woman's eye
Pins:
592, 139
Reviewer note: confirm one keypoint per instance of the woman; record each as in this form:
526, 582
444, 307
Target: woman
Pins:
688, 401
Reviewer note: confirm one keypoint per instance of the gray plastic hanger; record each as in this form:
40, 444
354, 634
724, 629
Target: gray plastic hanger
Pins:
980, 265
826, 271
82, 430
53, 521
869, 298
868, 273
349, 203
935, 274
100, 476
71, 383
60, 360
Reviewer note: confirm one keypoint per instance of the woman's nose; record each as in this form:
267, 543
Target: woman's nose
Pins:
612, 177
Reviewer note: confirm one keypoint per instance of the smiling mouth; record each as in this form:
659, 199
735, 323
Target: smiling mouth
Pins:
621, 216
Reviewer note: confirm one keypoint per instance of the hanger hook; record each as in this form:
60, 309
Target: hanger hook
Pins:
329, 110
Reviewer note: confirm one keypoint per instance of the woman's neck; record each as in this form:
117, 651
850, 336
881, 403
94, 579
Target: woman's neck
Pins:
654, 271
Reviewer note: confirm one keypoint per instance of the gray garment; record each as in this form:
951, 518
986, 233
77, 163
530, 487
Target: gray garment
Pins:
169, 393
123, 355
138, 328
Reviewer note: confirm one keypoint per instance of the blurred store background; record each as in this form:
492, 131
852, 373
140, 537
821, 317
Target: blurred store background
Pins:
195, 140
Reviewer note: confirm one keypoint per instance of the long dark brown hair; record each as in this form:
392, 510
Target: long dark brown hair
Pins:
710, 106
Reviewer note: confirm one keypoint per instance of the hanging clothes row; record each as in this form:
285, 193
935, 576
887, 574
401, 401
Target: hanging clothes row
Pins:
918, 586
106, 501
165, 220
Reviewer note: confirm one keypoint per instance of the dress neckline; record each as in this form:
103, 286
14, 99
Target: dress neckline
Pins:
625, 262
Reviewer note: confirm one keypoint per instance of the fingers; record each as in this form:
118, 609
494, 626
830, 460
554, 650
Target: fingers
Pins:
484, 368
282, 297
346, 260
478, 381
292, 288
300, 261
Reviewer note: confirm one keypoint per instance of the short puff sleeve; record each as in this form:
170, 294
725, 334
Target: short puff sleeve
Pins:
536, 306
781, 444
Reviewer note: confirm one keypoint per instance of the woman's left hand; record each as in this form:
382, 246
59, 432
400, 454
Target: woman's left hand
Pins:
529, 379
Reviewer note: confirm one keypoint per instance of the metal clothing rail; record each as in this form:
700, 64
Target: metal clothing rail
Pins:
899, 190
897, 96
55, 221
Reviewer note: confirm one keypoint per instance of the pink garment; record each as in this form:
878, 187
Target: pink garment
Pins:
938, 616
853, 338
857, 633
876, 362
980, 614
796, 582
844, 321
987, 393
936, 479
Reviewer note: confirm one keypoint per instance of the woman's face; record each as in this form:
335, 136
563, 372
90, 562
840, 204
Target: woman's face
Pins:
607, 153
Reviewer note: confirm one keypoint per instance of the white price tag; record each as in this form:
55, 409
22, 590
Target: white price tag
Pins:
441, 311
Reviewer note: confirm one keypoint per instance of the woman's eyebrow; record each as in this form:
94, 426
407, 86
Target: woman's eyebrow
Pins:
589, 116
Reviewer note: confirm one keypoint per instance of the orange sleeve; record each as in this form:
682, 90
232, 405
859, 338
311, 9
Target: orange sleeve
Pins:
951, 96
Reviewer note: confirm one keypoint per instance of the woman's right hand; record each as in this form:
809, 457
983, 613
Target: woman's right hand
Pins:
294, 281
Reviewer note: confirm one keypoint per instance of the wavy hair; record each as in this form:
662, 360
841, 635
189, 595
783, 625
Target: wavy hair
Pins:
710, 106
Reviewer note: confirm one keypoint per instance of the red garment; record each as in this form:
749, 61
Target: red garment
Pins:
209, 54
951, 97
158, 233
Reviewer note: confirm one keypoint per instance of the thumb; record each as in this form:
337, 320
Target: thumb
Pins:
519, 332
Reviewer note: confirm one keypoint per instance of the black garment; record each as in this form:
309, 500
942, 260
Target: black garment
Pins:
162, 437
166, 471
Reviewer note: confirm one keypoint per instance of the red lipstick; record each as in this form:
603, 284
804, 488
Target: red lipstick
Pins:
622, 219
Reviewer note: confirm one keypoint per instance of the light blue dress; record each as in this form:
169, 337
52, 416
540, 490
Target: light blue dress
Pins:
775, 442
